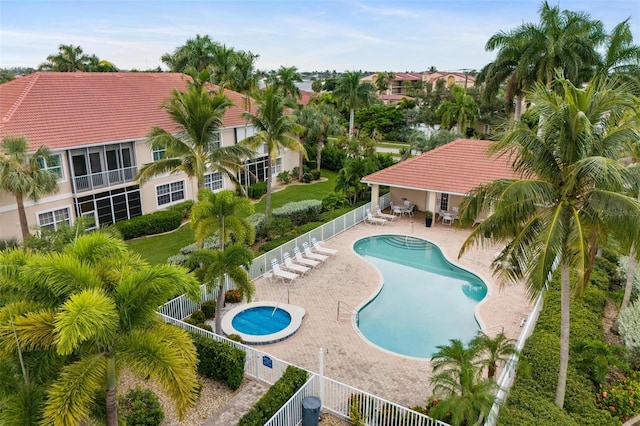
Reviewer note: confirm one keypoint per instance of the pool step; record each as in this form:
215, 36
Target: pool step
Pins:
409, 243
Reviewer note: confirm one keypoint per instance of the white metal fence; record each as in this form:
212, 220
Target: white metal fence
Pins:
291, 413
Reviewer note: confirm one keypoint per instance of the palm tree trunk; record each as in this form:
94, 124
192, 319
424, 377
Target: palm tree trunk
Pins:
111, 401
351, 122
631, 273
22, 215
300, 166
219, 306
565, 304
319, 154
518, 112
268, 206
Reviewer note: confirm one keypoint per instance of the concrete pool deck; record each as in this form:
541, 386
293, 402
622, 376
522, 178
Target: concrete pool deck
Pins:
349, 279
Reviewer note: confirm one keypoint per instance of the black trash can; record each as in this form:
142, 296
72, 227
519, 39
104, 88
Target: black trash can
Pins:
311, 410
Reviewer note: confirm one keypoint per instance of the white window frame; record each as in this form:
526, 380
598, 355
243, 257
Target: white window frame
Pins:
216, 181
171, 192
44, 165
444, 202
160, 152
276, 167
218, 143
56, 222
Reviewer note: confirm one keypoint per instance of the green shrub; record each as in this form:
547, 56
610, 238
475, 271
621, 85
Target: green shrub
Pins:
184, 208
141, 407
233, 296
285, 177
204, 326
526, 407
333, 201
149, 224
333, 157
272, 244
8, 243
307, 177
198, 316
235, 338
315, 174
220, 361
623, 399
259, 223
334, 214
299, 212
291, 381
629, 325
257, 190
208, 308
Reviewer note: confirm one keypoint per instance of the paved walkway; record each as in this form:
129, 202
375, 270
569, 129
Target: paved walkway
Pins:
347, 277
240, 404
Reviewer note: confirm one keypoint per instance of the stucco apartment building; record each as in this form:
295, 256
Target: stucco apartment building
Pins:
95, 125
403, 81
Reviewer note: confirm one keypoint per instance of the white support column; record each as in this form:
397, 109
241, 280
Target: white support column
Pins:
375, 194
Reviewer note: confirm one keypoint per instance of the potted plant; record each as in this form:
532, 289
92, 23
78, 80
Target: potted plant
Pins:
428, 218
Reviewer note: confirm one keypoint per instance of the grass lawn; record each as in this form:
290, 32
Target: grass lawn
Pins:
397, 145
158, 248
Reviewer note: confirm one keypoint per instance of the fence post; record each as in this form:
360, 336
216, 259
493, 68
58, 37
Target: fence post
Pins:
321, 377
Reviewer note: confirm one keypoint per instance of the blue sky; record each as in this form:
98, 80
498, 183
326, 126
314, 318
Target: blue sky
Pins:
310, 34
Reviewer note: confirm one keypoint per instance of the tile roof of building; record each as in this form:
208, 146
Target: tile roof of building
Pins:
61, 110
410, 76
455, 168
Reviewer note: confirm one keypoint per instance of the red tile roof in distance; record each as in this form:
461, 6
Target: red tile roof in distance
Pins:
62, 110
455, 168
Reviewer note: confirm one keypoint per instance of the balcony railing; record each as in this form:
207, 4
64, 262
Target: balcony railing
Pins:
104, 179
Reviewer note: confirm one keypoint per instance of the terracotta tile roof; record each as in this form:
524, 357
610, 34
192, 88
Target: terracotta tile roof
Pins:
410, 76
455, 168
393, 97
62, 110
305, 97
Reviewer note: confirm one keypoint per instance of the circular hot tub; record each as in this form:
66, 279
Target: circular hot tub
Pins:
263, 322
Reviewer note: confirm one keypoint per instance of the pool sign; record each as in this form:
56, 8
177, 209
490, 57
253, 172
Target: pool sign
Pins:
267, 362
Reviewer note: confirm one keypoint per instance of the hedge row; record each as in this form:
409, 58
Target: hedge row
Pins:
531, 399
299, 212
277, 395
150, 224
220, 361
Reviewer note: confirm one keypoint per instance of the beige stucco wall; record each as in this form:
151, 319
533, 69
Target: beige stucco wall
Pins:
10, 223
419, 198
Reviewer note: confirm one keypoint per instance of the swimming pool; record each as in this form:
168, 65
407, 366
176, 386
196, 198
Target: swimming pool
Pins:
263, 322
424, 301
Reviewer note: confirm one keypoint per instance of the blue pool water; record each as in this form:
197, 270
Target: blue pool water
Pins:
261, 320
424, 302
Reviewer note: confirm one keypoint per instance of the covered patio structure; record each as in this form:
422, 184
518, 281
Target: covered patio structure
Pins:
439, 179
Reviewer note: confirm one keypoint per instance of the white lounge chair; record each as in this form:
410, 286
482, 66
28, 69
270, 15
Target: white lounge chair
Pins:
303, 260
284, 275
322, 250
374, 220
311, 255
292, 266
389, 217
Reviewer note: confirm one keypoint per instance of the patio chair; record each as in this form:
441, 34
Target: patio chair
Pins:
447, 218
303, 260
311, 255
288, 263
283, 275
374, 220
322, 250
389, 217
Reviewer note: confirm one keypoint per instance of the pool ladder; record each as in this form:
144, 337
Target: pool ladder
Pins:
350, 313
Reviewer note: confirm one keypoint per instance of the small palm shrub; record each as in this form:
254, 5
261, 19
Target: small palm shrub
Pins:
209, 308
284, 177
141, 407
233, 296
198, 316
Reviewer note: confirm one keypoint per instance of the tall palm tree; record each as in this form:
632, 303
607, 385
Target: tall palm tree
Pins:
352, 94
223, 66
462, 108
95, 305
213, 265
285, 80
457, 379
22, 176
244, 78
319, 122
198, 53
222, 213
621, 56
192, 150
383, 81
571, 188
69, 58
276, 129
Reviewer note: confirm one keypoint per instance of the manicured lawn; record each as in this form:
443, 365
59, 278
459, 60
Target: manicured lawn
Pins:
157, 249
397, 145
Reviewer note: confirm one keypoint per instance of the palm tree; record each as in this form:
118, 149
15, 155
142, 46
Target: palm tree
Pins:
632, 161
494, 351
22, 176
621, 56
193, 150
244, 78
319, 122
352, 94
571, 189
223, 66
275, 129
213, 265
466, 396
198, 53
95, 306
460, 110
285, 80
70, 58
383, 80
